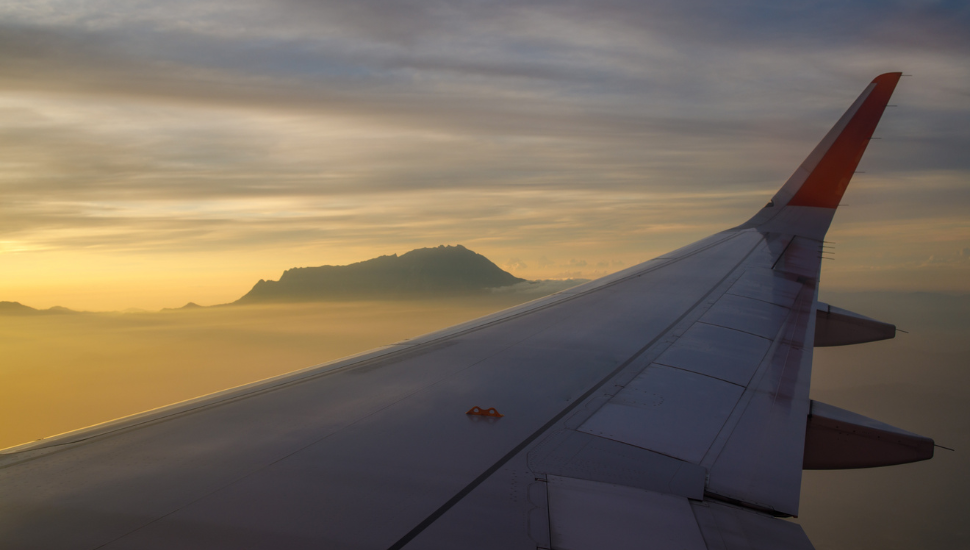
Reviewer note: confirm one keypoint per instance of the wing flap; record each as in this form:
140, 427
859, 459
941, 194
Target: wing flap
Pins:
727, 527
580, 455
587, 515
667, 410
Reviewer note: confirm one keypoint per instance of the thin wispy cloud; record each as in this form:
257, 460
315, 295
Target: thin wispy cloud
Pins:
610, 131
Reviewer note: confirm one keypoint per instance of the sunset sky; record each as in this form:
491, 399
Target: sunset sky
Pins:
155, 153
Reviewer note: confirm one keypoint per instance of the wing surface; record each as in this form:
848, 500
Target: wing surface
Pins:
661, 406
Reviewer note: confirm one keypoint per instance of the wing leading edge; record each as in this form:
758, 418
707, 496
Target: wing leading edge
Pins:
663, 406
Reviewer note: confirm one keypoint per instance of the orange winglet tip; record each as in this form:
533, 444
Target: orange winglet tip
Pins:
478, 411
828, 179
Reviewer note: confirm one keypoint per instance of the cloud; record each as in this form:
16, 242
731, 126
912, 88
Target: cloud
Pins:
538, 288
584, 275
515, 264
961, 258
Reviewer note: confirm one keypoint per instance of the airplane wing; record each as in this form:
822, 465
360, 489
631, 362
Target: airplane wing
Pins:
663, 406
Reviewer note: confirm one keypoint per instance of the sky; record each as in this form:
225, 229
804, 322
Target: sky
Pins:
155, 153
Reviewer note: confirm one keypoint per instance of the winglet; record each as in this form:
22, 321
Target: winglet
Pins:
830, 175
821, 180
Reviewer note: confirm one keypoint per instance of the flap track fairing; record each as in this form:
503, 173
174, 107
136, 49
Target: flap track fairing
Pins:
838, 439
840, 327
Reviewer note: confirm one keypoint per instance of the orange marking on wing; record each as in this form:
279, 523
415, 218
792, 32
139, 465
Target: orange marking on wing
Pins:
828, 181
478, 411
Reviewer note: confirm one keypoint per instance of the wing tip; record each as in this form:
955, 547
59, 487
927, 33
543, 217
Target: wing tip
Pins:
829, 178
886, 78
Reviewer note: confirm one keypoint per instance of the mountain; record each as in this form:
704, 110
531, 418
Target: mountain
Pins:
190, 305
16, 308
445, 270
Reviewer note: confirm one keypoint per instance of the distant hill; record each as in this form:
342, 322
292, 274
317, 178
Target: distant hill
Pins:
16, 308
190, 305
445, 270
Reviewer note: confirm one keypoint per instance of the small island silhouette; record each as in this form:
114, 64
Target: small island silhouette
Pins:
425, 272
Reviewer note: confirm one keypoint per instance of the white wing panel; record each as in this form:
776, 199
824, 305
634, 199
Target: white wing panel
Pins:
731, 528
667, 410
588, 515
767, 285
584, 456
746, 315
719, 352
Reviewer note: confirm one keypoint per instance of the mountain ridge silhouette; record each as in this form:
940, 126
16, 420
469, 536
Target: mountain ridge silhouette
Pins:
423, 272
16, 308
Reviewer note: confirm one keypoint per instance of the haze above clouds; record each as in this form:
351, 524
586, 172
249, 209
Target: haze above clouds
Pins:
154, 153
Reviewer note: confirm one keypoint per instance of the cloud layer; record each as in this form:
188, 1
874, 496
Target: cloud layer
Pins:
302, 133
